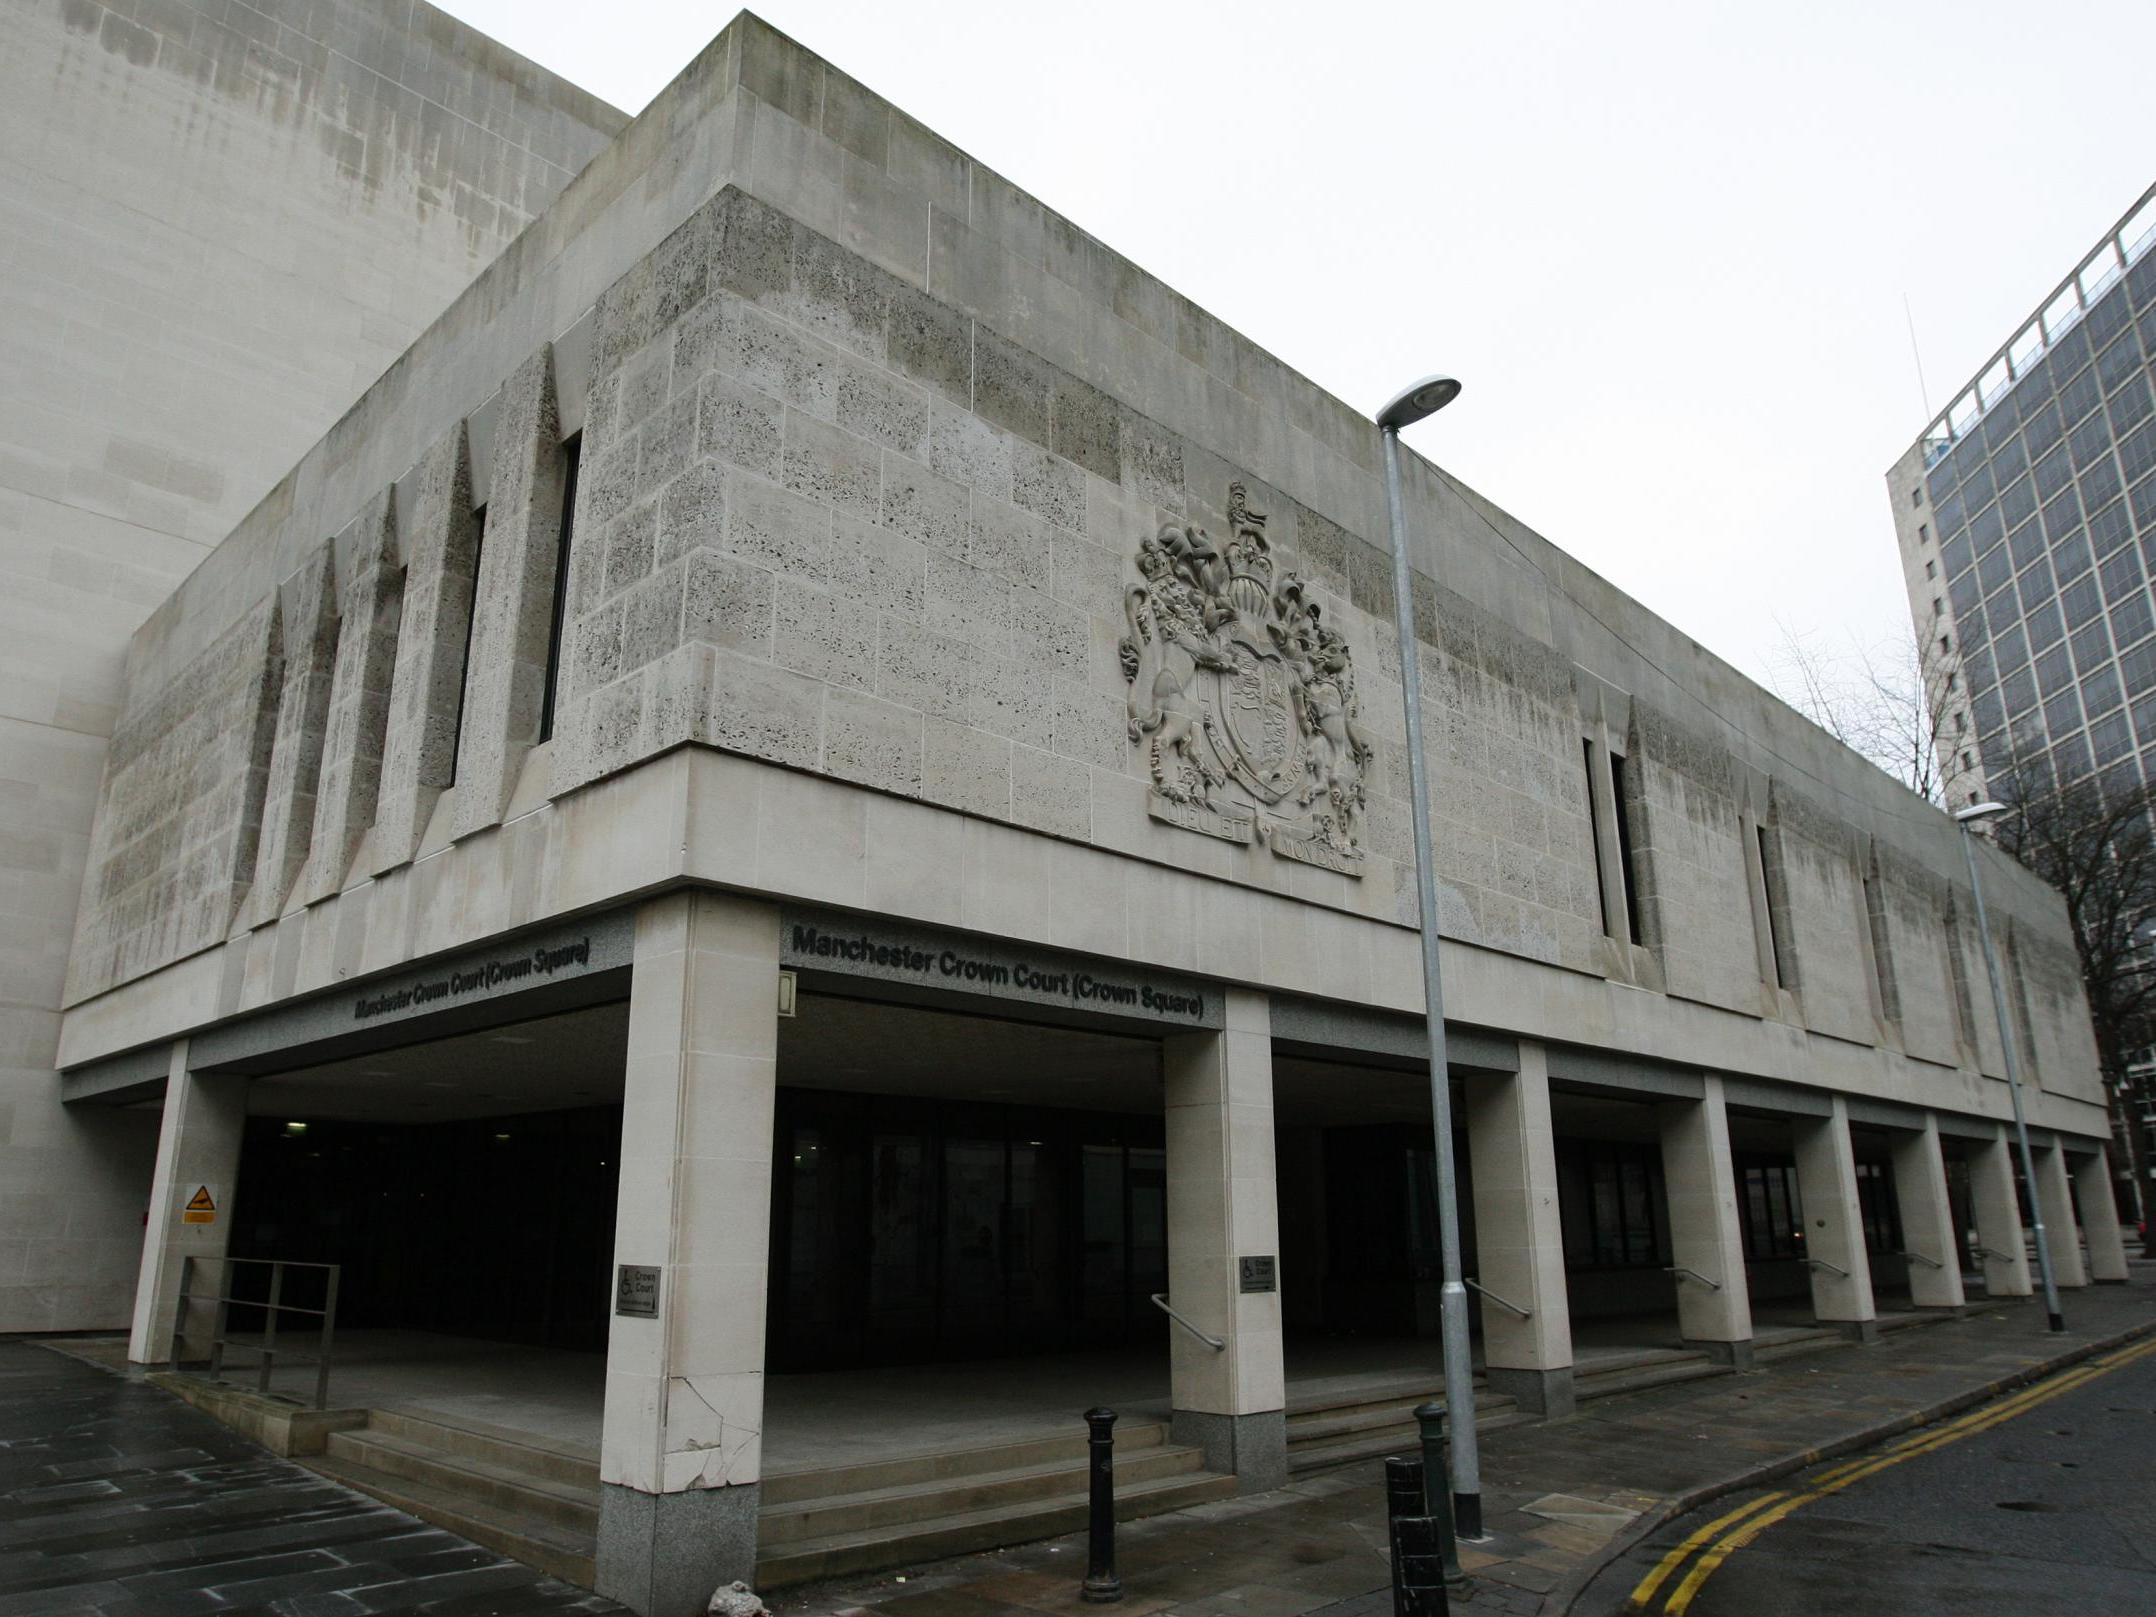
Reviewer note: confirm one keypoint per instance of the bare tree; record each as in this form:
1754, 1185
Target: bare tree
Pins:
2095, 841
1887, 701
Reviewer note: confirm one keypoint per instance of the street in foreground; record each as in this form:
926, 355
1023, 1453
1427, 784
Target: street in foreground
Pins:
2042, 1501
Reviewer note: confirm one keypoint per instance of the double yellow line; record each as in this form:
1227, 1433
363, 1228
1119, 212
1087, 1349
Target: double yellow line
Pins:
1725, 1535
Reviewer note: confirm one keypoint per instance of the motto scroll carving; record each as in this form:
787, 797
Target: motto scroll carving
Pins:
1242, 698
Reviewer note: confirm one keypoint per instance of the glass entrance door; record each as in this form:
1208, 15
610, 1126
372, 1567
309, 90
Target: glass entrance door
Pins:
906, 1230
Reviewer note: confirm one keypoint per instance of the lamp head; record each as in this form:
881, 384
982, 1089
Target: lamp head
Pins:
1426, 397
1979, 811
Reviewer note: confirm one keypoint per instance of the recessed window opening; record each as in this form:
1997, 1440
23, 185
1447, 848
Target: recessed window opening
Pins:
572, 455
1594, 836
1770, 882
464, 666
1627, 864
1885, 989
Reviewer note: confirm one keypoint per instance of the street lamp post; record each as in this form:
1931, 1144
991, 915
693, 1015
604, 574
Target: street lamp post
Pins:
1427, 397
1968, 818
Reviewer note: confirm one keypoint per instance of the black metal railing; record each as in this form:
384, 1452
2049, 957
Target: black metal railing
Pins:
268, 1354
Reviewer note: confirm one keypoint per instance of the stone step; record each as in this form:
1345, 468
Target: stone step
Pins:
843, 1515
1325, 1423
910, 1543
560, 1551
1789, 1346
1376, 1443
483, 1481
1639, 1377
868, 1476
514, 1451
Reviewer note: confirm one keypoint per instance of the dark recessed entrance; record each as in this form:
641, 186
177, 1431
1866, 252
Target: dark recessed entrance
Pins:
500, 1227
906, 1230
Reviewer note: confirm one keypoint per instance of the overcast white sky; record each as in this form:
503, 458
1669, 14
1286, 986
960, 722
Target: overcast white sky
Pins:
1665, 246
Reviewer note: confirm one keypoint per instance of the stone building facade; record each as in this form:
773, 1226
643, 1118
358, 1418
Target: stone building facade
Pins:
223, 222
812, 632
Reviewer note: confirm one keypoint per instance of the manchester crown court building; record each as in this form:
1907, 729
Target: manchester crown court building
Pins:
796, 822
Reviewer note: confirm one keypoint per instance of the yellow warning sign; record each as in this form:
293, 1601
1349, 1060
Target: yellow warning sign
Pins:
201, 1208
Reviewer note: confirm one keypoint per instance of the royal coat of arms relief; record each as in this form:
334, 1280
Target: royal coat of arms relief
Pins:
1242, 698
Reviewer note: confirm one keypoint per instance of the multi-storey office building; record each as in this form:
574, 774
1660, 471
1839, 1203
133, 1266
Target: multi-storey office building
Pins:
2026, 516
801, 809
220, 224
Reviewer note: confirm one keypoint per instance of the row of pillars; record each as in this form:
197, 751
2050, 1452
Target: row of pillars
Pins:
1520, 1250
681, 1453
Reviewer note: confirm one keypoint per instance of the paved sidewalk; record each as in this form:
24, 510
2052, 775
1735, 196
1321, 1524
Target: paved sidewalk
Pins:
118, 1499
1559, 1498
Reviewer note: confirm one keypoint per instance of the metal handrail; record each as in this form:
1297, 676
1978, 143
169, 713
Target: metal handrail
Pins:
1682, 1273
267, 1350
1821, 1263
2003, 1257
1918, 1257
1478, 1286
1160, 1301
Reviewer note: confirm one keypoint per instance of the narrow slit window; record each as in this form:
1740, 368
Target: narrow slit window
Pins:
1627, 857
471, 620
1770, 883
1594, 835
572, 454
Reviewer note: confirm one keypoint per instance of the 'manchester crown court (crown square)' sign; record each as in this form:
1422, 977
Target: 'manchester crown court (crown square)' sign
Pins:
1243, 699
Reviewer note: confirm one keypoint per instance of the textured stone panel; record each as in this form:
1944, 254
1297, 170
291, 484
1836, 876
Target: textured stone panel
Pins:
177, 830
441, 552
512, 615
370, 609
307, 605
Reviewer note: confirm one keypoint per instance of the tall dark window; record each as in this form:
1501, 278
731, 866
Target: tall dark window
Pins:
464, 667
1780, 955
1594, 835
572, 454
1769, 1214
1627, 859
1611, 1205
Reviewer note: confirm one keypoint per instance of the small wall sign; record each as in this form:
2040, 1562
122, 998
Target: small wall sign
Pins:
636, 1290
1259, 1274
201, 1207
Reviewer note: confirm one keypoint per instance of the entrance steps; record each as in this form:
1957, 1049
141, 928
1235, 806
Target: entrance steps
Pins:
534, 1504
1373, 1425
540, 1505
887, 1513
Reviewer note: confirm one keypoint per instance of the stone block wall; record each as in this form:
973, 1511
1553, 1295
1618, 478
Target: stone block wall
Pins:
829, 521
185, 782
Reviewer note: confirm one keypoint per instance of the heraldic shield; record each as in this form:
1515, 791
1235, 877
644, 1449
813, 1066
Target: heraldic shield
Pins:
1242, 698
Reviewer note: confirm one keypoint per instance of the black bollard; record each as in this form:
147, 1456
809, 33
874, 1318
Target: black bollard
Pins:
1437, 1489
1418, 1581
1101, 1584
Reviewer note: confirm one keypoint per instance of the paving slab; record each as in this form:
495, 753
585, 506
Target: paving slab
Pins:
118, 1499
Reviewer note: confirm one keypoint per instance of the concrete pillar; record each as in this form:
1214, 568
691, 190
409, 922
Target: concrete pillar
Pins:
2096, 1190
1519, 1237
1704, 1234
681, 1454
198, 1164
1834, 1223
1231, 1402
2057, 1200
2005, 1252
1927, 1216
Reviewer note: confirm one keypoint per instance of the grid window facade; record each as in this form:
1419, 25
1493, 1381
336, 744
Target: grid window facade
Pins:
2045, 517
